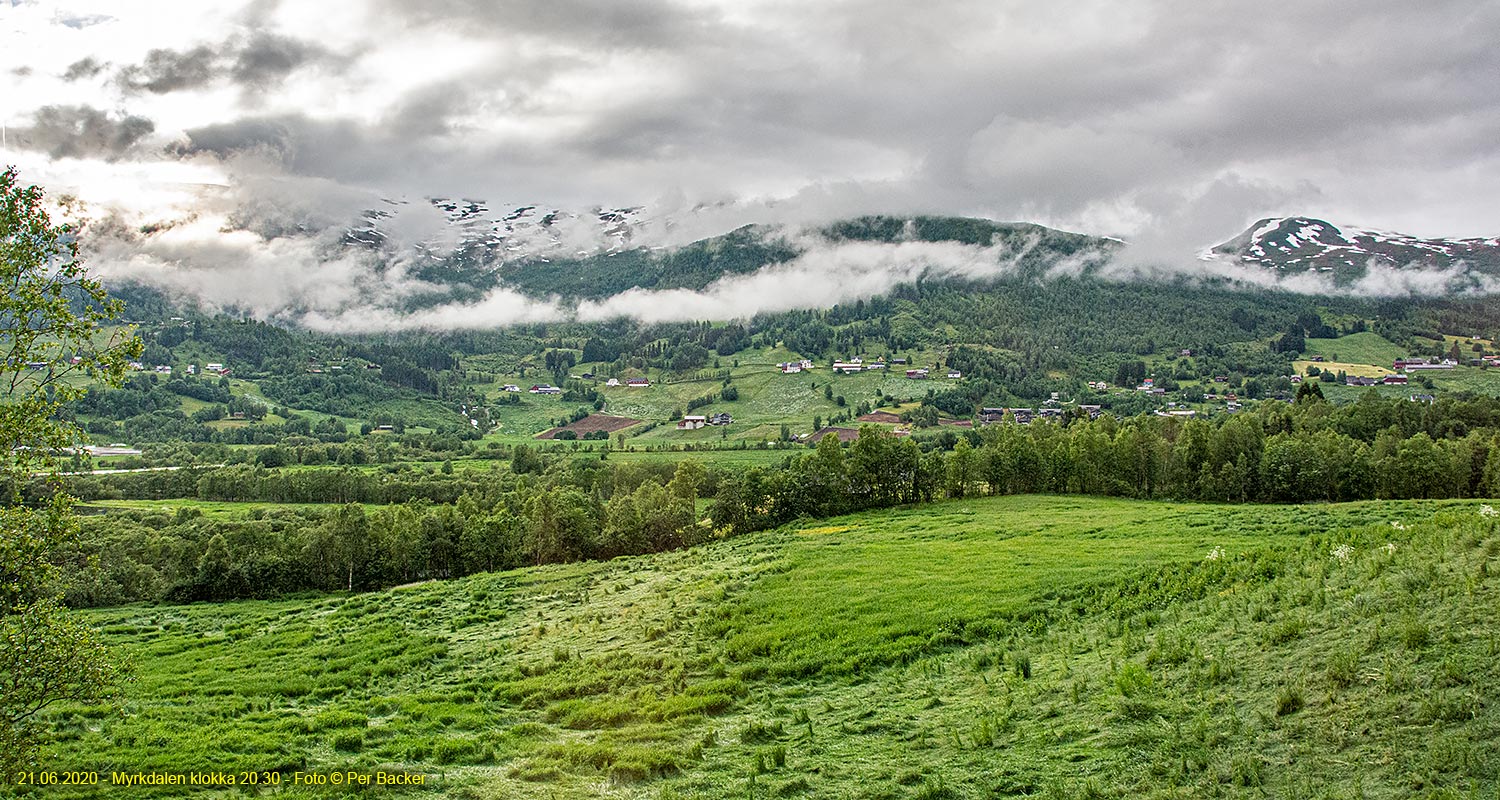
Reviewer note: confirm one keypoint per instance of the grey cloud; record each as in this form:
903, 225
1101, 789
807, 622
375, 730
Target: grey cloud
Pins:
169, 70
649, 23
429, 111
86, 67
1061, 114
258, 62
1170, 123
266, 59
81, 131
296, 143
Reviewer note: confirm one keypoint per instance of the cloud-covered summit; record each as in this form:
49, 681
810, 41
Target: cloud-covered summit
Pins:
1171, 124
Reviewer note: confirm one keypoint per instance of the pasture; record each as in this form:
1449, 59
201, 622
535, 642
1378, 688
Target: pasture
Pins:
1054, 646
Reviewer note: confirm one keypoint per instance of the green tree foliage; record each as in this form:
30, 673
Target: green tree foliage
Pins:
438, 526
52, 325
1309, 392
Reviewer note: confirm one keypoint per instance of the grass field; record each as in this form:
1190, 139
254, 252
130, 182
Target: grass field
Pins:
593, 423
1347, 367
1052, 646
211, 508
1469, 379
767, 397
1357, 348
1368, 354
1465, 343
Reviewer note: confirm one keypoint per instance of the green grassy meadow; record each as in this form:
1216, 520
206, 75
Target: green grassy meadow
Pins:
1367, 347
1011, 646
767, 399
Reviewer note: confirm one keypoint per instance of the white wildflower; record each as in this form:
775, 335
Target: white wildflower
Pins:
1390, 547
1214, 554
1342, 552
1488, 511
1398, 526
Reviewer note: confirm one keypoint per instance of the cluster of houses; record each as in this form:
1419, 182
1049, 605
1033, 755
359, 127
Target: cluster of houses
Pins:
211, 368
633, 383
923, 374
1388, 380
693, 422
857, 364
1409, 364
315, 367
1404, 367
1025, 416
1149, 387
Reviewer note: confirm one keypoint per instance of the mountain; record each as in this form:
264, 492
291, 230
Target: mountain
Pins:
604, 252
478, 233
1306, 244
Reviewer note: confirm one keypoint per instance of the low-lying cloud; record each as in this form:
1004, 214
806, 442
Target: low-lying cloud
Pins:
319, 282
825, 274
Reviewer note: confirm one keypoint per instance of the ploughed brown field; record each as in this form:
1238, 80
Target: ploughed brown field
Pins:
591, 423
885, 417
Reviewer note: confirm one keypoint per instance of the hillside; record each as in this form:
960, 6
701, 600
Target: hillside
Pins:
1009, 646
603, 253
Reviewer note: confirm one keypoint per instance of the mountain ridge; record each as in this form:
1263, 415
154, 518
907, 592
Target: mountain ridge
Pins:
589, 255
1312, 244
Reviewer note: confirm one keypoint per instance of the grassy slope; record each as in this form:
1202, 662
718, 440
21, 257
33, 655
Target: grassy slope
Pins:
767, 398
1369, 354
1072, 646
1357, 348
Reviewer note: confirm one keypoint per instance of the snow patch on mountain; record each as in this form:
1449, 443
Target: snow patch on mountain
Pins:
1302, 243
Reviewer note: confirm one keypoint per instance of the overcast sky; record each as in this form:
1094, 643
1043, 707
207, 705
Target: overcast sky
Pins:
1171, 122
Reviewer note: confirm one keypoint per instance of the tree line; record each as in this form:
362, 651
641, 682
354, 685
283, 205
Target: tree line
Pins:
550, 509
